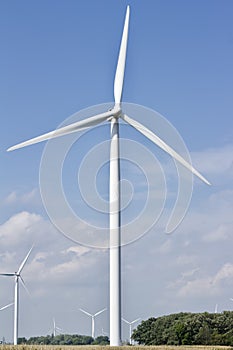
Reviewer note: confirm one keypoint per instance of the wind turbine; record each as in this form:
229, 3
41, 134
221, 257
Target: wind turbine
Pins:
18, 277
216, 309
130, 327
93, 320
104, 333
113, 116
56, 329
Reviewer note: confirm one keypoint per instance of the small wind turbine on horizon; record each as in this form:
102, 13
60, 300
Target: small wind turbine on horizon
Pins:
130, 327
113, 116
93, 319
103, 333
56, 329
18, 277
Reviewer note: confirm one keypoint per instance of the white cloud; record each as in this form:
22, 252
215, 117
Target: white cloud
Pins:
18, 228
78, 250
15, 197
187, 260
215, 160
225, 273
208, 285
198, 287
166, 247
221, 198
11, 198
221, 233
30, 196
189, 273
185, 278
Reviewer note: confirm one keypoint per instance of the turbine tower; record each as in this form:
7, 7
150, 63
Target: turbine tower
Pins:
93, 320
130, 327
113, 117
18, 277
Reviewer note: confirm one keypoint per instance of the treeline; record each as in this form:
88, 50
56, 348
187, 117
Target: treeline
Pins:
187, 329
65, 339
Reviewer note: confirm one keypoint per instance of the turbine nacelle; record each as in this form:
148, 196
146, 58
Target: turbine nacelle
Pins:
116, 112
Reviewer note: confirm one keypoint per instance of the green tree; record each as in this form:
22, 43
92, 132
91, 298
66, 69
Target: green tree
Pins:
187, 329
101, 340
180, 331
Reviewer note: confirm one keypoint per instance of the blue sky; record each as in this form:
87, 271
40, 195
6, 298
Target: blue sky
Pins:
58, 58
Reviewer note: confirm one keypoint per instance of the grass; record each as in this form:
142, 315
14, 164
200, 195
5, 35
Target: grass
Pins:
98, 347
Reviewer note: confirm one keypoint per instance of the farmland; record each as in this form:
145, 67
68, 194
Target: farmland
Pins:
67, 347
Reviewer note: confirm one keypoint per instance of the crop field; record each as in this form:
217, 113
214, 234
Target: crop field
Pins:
98, 347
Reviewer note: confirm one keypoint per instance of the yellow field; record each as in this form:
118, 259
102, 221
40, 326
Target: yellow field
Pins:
98, 347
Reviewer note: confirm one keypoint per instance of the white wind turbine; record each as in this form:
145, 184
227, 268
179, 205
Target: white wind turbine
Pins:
93, 316
113, 117
56, 329
103, 333
18, 277
130, 327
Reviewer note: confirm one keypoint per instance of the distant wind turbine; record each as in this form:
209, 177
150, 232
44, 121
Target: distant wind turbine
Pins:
56, 329
130, 327
104, 333
216, 309
18, 277
113, 116
93, 320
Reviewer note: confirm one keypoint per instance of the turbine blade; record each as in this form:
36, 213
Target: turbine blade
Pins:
85, 312
119, 76
7, 274
61, 331
80, 125
6, 306
151, 136
100, 312
24, 261
138, 319
59, 328
125, 320
24, 285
